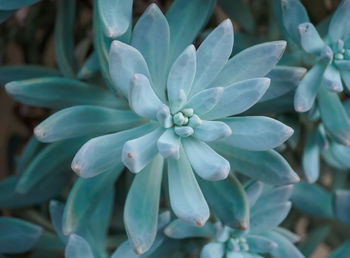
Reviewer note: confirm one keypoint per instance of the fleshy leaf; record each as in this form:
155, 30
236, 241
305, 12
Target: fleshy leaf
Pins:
142, 99
205, 161
247, 64
342, 251
205, 100
64, 44
213, 250
311, 158
256, 132
84, 120
260, 244
19, 73
83, 196
310, 40
17, 236
266, 166
263, 219
179, 229
340, 24
194, 12
332, 80
169, 144
212, 55
285, 248
16, 4
115, 16
124, 62
253, 190
238, 97
308, 88
228, 201
342, 205
209, 131
103, 152
293, 14
142, 205
186, 198
334, 116
57, 93
48, 162
78, 247
312, 200
137, 153
180, 78
151, 37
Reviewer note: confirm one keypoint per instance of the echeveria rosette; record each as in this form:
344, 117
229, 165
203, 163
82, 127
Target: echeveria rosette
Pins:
187, 103
331, 68
268, 208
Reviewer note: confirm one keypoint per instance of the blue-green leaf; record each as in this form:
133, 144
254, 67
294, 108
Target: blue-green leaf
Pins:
169, 144
17, 236
342, 251
5, 14
332, 80
342, 205
142, 205
253, 190
285, 248
89, 68
180, 78
212, 55
310, 40
194, 12
139, 152
312, 199
307, 90
84, 120
186, 198
16, 4
228, 201
334, 116
179, 229
205, 100
56, 214
260, 244
142, 99
311, 158
57, 93
213, 250
238, 97
247, 64
205, 161
293, 14
151, 37
115, 16
266, 218
18, 73
340, 24
284, 79
64, 44
266, 166
313, 240
78, 247
48, 162
209, 131
101, 153
83, 197
124, 62
256, 133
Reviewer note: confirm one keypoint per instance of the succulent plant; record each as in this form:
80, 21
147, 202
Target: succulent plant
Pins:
208, 130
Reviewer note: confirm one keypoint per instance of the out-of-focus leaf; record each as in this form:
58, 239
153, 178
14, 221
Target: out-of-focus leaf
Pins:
15, 4
64, 43
17, 236
313, 239
312, 199
18, 73
341, 205
228, 201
